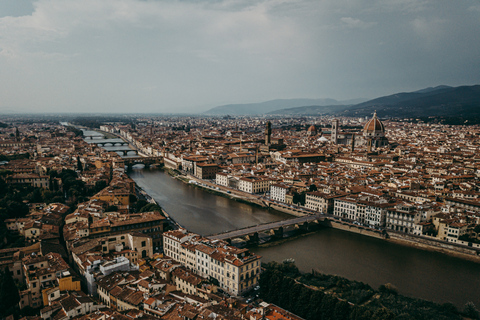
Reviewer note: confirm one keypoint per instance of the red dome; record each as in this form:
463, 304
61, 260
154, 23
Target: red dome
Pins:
374, 125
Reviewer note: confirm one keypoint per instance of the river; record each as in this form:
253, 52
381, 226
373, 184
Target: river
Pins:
416, 273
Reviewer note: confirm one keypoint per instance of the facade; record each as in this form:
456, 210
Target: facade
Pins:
149, 223
45, 277
402, 218
367, 210
372, 135
206, 170
254, 184
33, 180
321, 202
236, 270
221, 179
278, 192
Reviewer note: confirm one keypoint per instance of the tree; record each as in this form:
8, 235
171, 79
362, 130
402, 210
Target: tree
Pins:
9, 296
100, 185
151, 207
341, 311
299, 198
383, 314
328, 306
471, 311
111, 208
79, 164
140, 204
312, 187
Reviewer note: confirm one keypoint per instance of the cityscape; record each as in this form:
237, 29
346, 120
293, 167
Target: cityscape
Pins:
239, 160
85, 238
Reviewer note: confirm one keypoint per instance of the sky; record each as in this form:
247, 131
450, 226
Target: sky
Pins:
187, 56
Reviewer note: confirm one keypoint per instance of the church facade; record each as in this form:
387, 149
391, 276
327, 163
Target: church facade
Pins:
372, 136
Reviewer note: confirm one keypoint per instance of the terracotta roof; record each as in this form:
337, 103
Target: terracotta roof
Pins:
374, 125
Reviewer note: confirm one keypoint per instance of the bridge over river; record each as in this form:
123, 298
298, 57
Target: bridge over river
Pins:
275, 229
146, 161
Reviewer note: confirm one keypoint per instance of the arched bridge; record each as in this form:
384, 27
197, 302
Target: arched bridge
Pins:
146, 161
124, 151
94, 136
275, 229
111, 144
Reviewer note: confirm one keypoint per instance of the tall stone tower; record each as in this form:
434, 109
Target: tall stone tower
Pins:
268, 133
334, 134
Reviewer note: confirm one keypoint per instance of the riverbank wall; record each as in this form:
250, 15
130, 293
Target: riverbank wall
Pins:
435, 245
291, 211
345, 226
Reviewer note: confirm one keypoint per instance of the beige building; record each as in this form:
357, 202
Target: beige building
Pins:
236, 270
254, 184
321, 202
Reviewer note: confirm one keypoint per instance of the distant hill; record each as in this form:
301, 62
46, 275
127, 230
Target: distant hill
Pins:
442, 101
312, 110
463, 101
269, 106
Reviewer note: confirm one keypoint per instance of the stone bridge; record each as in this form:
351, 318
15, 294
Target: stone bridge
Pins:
95, 136
146, 161
272, 229
124, 151
111, 144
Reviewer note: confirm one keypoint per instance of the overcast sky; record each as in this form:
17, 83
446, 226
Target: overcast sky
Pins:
188, 56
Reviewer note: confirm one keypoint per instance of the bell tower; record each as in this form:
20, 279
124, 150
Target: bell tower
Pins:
268, 133
334, 134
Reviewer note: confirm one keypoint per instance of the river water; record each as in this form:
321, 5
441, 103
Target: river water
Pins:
416, 273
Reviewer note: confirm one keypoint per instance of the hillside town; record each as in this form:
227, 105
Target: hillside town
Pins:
87, 243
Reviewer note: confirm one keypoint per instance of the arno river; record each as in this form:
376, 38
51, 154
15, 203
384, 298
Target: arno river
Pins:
416, 273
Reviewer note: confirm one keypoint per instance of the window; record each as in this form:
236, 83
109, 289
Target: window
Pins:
144, 243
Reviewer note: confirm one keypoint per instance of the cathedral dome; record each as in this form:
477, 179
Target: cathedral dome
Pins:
374, 126
312, 130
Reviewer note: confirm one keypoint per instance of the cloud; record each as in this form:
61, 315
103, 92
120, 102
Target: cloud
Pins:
356, 23
115, 54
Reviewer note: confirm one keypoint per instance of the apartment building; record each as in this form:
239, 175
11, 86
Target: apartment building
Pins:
254, 184
278, 192
321, 202
149, 223
236, 270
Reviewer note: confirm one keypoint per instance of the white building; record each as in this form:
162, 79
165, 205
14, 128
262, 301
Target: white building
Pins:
236, 270
278, 192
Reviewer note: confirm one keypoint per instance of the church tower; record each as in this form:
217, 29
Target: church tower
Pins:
334, 134
268, 133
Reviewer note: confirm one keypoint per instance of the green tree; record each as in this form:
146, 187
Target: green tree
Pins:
151, 207
79, 164
9, 296
328, 307
471, 311
100, 185
36, 196
383, 314
312, 187
299, 198
111, 208
140, 204
341, 311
